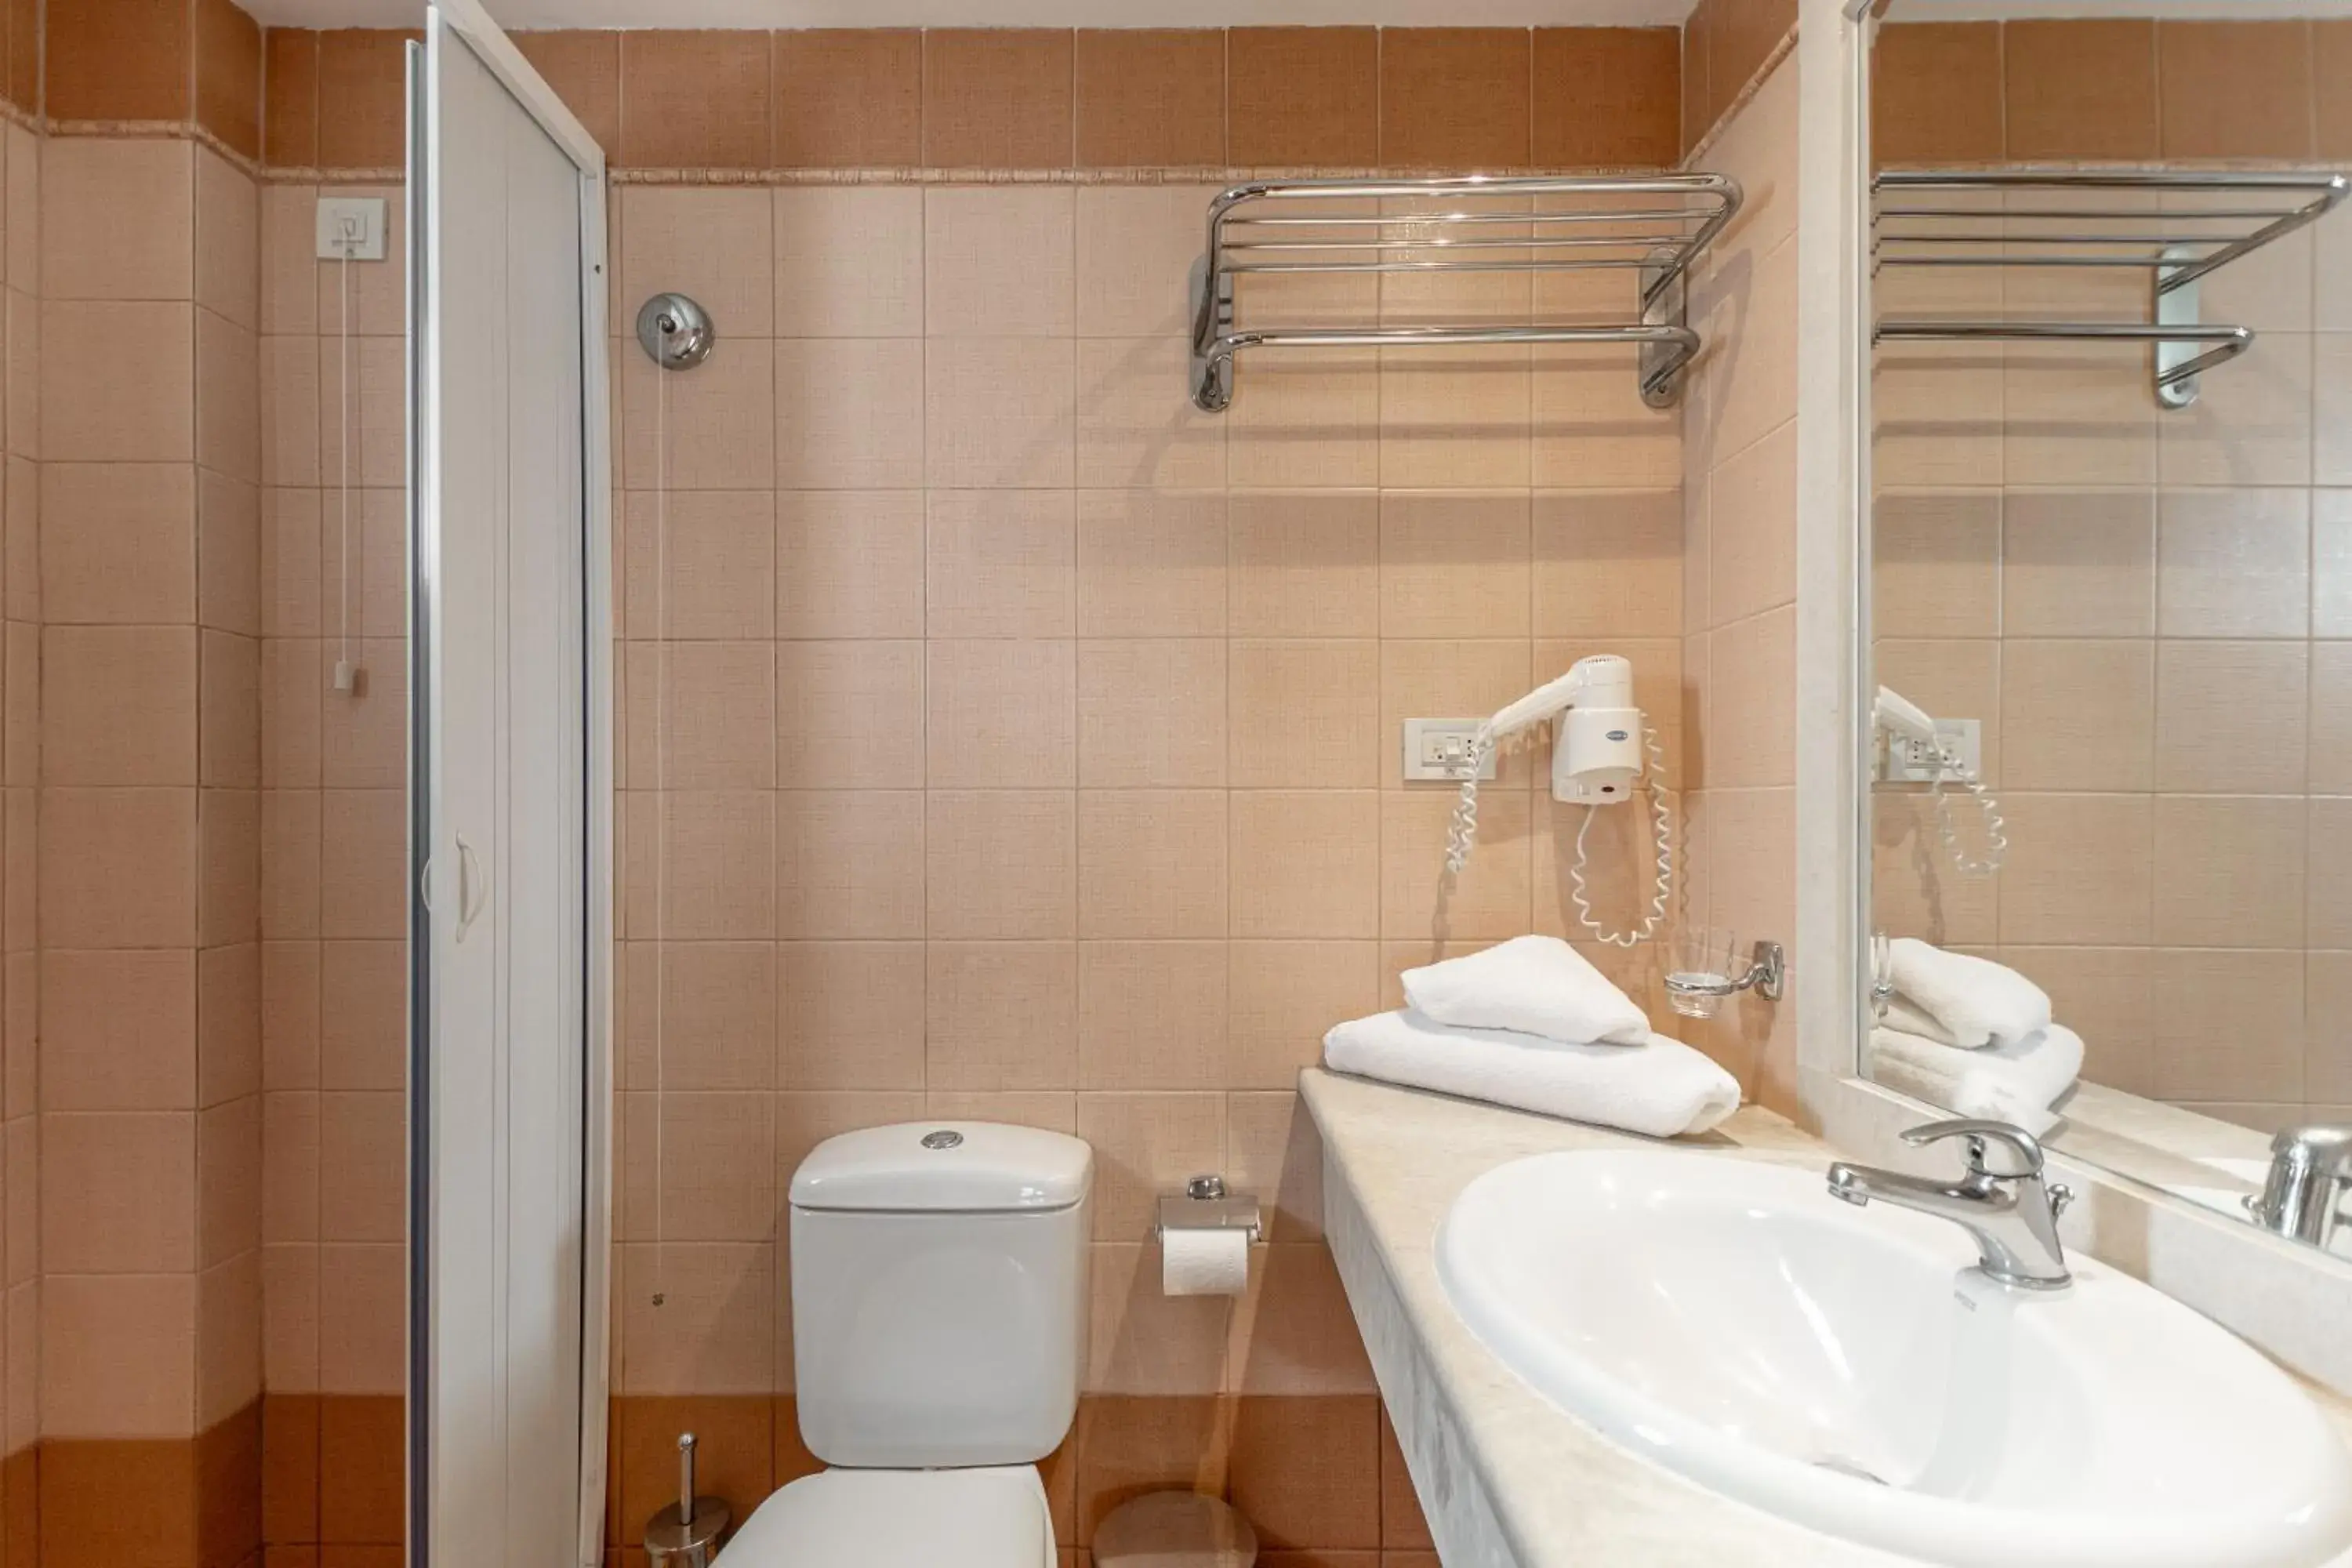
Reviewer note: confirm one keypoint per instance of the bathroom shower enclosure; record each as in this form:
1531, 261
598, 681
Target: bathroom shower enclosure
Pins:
510, 831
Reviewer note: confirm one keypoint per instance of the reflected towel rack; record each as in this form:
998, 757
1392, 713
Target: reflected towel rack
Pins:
1657, 223
2186, 225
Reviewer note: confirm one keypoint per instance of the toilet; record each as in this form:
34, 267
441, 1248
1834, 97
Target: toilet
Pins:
938, 1333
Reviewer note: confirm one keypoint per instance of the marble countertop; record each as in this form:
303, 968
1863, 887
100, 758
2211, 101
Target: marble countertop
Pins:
1507, 1477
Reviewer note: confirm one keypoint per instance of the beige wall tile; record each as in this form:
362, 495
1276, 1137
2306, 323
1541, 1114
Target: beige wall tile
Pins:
1419, 899
362, 1020
2078, 564
119, 543
1304, 713
119, 867
849, 262
1307, 420
2228, 871
2107, 996
1309, 861
1589, 428
1002, 864
228, 553
289, 563
700, 715
86, 251
1151, 1014
362, 1164
1431, 680
1131, 432
1284, 996
118, 705
2078, 870
1135, 246
1936, 408
2233, 563
1608, 562
2331, 414
1460, 417
1455, 564
362, 1318
698, 1016
1151, 712
712, 865
850, 1014
1001, 713
372, 416
120, 1360
1001, 564
730, 426
1151, 563
1752, 669
1143, 1341
118, 1030
228, 403
714, 1332
712, 243
849, 714
849, 863
1304, 564
2329, 849
227, 240
2328, 1057
290, 868
718, 1166
362, 870
2229, 1024
849, 563
2077, 715
2228, 716
363, 733
2331, 718
228, 1180
1146, 1145
999, 262
1151, 863
1290, 1333
1001, 1015
228, 1012
2251, 429
99, 1209
2076, 416
288, 259
849, 414
124, 394
699, 563
1000, 413
1935, 565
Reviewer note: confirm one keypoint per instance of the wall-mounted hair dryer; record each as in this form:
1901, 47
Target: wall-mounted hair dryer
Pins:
1596, 760
1899, 721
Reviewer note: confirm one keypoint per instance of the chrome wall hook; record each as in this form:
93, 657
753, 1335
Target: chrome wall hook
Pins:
675, 332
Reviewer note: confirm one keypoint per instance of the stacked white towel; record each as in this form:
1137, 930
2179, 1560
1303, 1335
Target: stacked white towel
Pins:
1961, 1000
1531, 1024
2018, 1081
1531, 984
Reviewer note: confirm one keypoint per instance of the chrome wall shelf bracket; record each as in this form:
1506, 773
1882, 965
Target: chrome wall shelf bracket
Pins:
1656, 225
2176, 225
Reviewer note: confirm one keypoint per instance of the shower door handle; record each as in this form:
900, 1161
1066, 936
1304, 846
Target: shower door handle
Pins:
473, 887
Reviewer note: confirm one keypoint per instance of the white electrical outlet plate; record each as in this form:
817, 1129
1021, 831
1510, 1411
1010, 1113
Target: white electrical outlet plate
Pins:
351, 228
1907, 761
1438, 751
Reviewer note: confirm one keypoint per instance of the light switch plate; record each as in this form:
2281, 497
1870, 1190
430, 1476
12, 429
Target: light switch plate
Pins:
1437, 750
352, 228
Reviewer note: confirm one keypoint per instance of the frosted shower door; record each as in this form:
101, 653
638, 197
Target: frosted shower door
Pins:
512, 821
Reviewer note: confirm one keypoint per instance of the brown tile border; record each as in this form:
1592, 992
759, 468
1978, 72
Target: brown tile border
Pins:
175, 1503
1047, 99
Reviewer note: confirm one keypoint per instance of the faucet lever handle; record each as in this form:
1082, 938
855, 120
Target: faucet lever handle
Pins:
1995, 1148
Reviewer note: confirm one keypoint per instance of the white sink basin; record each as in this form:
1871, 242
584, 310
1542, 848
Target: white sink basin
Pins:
1837, 1367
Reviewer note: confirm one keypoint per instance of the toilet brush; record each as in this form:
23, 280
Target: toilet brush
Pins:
686, 1533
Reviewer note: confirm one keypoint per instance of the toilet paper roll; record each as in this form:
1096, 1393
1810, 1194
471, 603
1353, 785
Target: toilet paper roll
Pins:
1205, 1262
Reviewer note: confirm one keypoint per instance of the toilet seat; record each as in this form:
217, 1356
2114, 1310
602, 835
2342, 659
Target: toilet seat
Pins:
990, 1518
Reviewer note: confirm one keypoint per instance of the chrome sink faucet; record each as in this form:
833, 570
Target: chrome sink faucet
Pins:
2310, 1167
2002, 1201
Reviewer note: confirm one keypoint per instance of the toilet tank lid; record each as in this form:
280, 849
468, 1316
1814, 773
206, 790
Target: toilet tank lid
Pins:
966, 1167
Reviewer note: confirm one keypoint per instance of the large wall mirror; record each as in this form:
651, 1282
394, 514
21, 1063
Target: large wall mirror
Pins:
2110, 563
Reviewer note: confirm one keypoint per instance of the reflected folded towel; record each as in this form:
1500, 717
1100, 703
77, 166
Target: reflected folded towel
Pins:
1973, 1001
2016, 1083
1532, 986
1662, 1088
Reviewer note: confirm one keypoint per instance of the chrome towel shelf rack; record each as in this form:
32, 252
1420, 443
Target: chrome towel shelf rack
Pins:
2179, 226
1657, 224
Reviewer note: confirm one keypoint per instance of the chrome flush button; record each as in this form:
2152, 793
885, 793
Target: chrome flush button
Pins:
945, 1138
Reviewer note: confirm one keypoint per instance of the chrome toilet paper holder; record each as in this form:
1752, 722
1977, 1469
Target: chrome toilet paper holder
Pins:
1206, 1205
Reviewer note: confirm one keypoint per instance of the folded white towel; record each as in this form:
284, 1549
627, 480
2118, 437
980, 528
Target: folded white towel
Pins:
1533, 984
1661, 1088
1906, 1017
1975, 1001
2017, 1083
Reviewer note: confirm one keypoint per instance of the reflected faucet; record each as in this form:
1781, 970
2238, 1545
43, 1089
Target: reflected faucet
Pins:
2002, 1201
2310, 1167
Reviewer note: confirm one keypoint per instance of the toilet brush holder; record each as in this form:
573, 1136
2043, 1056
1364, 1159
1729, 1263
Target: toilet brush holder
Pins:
686, 1533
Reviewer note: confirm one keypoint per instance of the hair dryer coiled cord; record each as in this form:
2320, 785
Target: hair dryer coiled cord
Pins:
1996, 829
1462, 832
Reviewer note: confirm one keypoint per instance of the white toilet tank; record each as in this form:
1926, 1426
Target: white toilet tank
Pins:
939, 1293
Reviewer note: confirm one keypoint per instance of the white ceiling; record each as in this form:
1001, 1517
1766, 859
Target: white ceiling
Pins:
522, 14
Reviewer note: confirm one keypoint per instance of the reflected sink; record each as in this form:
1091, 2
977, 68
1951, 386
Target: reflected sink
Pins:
1846, 1370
